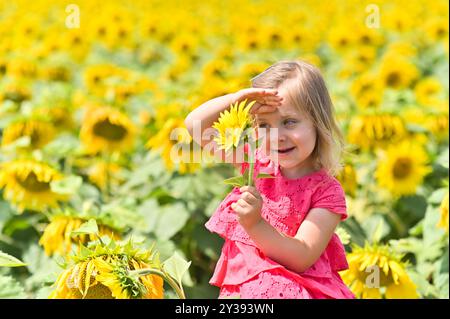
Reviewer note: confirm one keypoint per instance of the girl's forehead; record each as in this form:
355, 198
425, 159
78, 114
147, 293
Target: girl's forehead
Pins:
284, 110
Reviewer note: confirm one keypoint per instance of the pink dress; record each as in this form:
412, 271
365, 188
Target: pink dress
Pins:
244, 271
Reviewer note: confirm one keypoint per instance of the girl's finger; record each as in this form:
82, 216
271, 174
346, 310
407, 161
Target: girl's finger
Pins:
252, 190
242, 203
249, 198
270, 92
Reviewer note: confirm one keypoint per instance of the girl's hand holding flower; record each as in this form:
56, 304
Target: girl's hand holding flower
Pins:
248, 207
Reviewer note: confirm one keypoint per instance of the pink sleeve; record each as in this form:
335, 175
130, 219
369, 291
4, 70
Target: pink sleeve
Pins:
330, 195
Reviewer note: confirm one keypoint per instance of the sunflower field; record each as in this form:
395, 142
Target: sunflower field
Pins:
92, 204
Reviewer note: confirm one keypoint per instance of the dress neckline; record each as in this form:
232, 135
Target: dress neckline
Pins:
309, 175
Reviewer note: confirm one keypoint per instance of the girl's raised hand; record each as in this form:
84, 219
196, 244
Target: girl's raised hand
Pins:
248, 207
267, 100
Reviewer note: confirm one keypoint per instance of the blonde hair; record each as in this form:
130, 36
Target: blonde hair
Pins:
307, 91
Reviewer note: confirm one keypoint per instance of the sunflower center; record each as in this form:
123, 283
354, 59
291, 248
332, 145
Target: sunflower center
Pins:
393, 79
402, 168
32, 184
109, 131
385, 280
99, 291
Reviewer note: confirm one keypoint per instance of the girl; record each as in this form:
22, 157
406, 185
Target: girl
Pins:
279, 235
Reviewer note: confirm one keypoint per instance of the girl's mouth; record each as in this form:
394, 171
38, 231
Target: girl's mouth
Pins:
285, 150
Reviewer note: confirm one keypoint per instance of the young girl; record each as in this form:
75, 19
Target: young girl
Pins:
279, 235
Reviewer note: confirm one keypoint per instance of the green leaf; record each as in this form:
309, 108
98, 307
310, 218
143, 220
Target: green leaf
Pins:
176, 266
67, 186
63, 146
443, 158
172, 218
150, 210
89, 227
343, 235
376, 227
10, 288
437, 196
236, 181
10, 261
264, 175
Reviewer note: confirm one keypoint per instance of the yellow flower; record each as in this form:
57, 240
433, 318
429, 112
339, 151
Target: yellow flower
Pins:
57, 237
437, 124
375, 272
97, 173
402, 168
340, 39
216, 68
105, 129
397, 72
59, 116
40, 132
443, 221
436, 29
426, 91
348, 179
27, 184
367, 90
21, 68
173, 135
231, 125
104, 273
377, 130
15, 91
97, 77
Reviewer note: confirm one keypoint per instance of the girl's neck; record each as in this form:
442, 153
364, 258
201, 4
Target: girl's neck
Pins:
298, 171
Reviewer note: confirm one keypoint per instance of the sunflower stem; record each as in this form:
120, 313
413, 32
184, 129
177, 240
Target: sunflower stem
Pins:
151, 271
252, 165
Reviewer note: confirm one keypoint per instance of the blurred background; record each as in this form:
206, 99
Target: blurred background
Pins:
91, 90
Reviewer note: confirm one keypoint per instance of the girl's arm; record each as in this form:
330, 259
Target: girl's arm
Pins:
302, 251
203, 117
297, 253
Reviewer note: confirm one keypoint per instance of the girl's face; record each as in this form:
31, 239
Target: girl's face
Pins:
289, 136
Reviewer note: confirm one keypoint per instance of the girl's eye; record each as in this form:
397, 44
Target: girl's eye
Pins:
289, 122
262, 125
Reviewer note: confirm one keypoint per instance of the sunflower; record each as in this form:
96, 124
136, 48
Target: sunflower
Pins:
40, 132
375, 130
437, 124
57, 237
340, 39
27, 184
347, 177
402, 168
108, 130
22, 68
426, 91
104, 272
15, 91
59, 116
436, 29
232, 124
397, 72
443, 209
392, 280
216, 68
97, 173
96, 77
367, 91
164, 142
